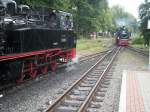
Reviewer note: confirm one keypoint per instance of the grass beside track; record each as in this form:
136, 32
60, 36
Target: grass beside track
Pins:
93, 46
140, 47
138, 42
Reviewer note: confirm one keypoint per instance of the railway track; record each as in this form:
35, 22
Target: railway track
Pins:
87, 93
138, 50
87, 57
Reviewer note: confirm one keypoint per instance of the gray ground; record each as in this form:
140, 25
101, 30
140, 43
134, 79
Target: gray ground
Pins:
127, 60
36, 96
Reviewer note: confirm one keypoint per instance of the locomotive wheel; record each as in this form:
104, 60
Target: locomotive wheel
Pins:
21, 79
44, 70
53, 65
24, 75
33, 74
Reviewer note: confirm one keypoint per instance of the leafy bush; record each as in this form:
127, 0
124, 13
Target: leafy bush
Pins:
138, 41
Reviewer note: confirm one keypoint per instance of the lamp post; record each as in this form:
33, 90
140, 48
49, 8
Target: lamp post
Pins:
148, 26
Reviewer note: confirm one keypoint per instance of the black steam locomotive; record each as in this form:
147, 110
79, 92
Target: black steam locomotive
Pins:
122, 36
33, 40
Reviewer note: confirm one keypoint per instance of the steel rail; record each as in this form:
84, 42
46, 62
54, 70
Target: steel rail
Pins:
58, 100
85, 103
87, 57
144, 53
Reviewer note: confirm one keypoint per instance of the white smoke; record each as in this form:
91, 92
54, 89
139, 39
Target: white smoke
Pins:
72, 65
122, 22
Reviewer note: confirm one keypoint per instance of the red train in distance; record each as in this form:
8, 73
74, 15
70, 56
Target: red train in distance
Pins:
122, 36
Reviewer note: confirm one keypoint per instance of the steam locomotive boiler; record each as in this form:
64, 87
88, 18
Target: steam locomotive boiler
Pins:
33, 41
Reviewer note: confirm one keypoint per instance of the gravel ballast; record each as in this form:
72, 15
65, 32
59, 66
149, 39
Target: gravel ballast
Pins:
38, 95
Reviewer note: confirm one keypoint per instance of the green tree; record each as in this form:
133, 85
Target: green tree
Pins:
144, 14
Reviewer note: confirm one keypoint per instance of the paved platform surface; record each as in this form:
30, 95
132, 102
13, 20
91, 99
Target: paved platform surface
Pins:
135, 92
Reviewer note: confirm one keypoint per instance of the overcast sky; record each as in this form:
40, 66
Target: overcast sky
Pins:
130, 6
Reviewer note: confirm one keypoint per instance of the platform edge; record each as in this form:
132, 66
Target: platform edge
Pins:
122, 102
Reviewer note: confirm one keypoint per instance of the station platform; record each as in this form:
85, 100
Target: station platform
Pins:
135, 92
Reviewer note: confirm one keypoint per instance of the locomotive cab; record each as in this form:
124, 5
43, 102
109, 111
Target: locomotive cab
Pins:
66, 21
10, 6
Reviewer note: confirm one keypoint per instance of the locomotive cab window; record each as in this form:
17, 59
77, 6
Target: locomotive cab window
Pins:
23, 9
66, 21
